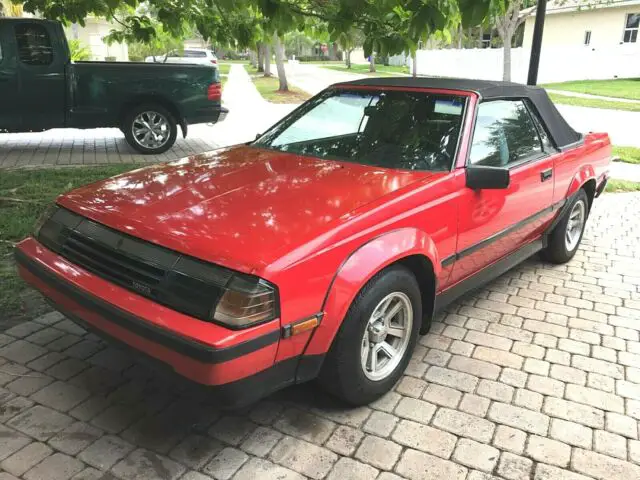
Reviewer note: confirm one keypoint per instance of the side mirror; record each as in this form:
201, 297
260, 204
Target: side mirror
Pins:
481, 177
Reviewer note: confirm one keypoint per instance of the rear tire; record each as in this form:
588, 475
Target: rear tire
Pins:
150, 129
368, 338
565, 239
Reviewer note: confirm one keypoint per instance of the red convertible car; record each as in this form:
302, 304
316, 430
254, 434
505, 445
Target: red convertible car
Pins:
323, 248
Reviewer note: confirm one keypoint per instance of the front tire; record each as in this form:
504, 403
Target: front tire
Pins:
376, 340
567, 235
150, 129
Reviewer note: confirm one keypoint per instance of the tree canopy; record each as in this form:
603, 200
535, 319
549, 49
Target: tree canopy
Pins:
388, 26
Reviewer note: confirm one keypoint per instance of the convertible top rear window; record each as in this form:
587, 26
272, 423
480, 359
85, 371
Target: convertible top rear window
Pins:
392, 129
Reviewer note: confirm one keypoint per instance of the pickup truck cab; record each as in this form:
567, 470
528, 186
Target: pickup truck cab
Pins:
41, 88
323, 248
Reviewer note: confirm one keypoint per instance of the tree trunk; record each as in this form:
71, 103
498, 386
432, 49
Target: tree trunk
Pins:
506, 57
260, 57
414, 64
372, 62
282, 74
347, 58
460, 36
267, 60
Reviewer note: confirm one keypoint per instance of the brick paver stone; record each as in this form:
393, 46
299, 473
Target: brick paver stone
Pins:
303, 457
56, 467
476, 455
378, 452
422, 466
144, 465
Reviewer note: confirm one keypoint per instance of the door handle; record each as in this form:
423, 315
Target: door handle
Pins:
546, 174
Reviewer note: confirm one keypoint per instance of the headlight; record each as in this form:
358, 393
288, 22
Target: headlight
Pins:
246, 301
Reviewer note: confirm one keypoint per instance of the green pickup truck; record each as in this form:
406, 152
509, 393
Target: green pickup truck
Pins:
41, 88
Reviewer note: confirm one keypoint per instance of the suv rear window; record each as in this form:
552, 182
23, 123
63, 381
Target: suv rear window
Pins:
392, 129
34, 44
194, 54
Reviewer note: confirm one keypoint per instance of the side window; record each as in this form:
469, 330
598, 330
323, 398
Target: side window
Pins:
504, 134
547, 145
34, 44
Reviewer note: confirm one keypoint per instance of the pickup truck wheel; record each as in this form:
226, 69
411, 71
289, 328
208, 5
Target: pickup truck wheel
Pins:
567, 235
150, 129
376, 339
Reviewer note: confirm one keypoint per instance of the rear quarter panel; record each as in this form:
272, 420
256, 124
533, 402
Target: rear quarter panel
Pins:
576, 166
100, 92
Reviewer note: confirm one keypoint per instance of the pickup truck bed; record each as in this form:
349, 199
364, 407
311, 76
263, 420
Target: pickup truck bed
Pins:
42, 88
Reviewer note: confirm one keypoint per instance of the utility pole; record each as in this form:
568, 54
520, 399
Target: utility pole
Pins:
536, 44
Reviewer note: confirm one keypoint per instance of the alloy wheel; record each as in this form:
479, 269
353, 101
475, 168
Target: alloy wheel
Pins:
151, 129
575, 225
386, 336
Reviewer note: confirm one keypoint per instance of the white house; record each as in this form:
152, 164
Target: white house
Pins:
91, 35
582, 40
590, 23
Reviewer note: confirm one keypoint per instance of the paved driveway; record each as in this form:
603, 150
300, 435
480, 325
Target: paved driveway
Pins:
97, 146
536, 377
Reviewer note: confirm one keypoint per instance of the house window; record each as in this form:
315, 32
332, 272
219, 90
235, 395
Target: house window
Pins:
631, 28
587, 37
486, 40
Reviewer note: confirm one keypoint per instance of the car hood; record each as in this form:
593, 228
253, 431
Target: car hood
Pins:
242, 207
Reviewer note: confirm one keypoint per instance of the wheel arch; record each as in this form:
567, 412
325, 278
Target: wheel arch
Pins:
409, 247
585, 178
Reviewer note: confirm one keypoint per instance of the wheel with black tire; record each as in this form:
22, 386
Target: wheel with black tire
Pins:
567, 235
376, 339
150, 129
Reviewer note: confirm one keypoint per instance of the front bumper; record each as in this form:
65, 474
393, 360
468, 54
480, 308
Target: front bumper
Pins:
240, 365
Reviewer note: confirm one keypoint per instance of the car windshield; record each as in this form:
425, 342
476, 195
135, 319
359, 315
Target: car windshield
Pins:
391, 129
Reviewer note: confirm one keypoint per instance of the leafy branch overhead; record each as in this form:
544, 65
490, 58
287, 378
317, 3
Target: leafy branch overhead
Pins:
389, 26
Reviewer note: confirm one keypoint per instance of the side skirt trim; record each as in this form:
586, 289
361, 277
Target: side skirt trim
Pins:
487, 274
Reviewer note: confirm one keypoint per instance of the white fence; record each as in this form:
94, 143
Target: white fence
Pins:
557, 64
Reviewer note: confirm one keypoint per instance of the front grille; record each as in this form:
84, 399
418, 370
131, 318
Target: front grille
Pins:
178, 281
111, 264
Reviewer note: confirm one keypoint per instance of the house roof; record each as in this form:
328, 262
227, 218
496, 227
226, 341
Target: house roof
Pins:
568, 6
560, 131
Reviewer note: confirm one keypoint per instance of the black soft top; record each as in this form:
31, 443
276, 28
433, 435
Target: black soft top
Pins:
559, 130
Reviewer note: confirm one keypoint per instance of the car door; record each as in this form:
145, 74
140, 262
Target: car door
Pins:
494, 222
41, 62
10, 114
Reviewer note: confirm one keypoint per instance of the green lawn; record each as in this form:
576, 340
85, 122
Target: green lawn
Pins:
617, 186
619, 88
627, 154
224, 68
268, 88
24, 195
594, 103
381, 70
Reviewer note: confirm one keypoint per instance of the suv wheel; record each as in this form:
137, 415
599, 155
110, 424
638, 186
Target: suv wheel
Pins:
150, 129
376, 339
